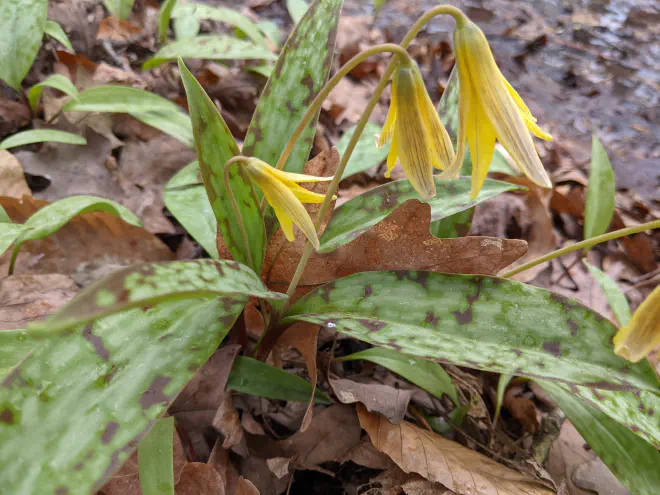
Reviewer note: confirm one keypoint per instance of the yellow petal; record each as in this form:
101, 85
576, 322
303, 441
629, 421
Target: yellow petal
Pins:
392, 156
498, 103
519, 101
481, 138
291, 177
304, 195
413, 146
438, 138
286, 224
642, 334
388, 129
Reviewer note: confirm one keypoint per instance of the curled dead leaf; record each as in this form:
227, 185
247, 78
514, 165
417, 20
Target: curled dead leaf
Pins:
12, 179
198, 478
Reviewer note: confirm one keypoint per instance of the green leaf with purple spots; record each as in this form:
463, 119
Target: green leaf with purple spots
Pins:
356, 216
77, 407
150, 283
633, 461
475, 321
215, 146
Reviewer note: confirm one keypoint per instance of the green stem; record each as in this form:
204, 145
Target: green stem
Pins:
14, 255
587, 243
234, 205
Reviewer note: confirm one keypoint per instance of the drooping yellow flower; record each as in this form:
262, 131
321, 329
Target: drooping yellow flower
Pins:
286, 197
642, 333
418, 138
490, 109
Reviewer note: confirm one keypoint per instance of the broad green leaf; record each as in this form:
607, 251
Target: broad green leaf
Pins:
41, 136
119, 99
15, 345
614, 295
189, 204
215, 146
481, 322
77, 408
504, 380
365, 155
119, 8
210, 47
258, 378
427, 375
156, 459
224, 15
150, 283
599, 206
175, 123
272, 32
22, 24
55, 31
297, 9
56, 81
300, 73
632, 460
9, 232
164, 16
456, 225
359, 214
4, 218
500, 164
186, 27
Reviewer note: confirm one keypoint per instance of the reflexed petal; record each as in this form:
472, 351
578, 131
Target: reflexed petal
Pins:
304, 195
413, 147
642, 334
481, 138
388, 129
392, 156
286, 224
291, 177
526, 114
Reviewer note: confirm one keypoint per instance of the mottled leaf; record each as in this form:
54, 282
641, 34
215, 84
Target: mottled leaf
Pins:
187, 200
479, 322
79, 405
215, 146
173, 122
164, 16
150, 283
599, 206
614, 295
15, 345
297, 9
57, 81
632, 460
365, 154
427, 375
55, 31
119, 99
258, 378
209, 47
41, 136
22, 24
456, 225
119, 8
155, 459
359, 214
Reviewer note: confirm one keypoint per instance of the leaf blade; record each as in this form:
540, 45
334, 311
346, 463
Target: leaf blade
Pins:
614, 295
41, 136
119, 99
55, 31
57, 81
155, 459
599, 207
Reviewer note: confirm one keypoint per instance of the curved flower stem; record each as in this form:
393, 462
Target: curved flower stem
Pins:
234, 204
373, 101
587, 243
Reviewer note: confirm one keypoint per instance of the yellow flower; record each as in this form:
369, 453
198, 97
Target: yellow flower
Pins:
418, 137
489, 109
286, 197
642, 333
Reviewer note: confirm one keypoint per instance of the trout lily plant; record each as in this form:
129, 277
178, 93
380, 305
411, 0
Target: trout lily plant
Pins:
84, 386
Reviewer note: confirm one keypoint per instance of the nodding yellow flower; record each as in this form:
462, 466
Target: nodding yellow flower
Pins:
286, 197
642, 333
489, 109
418, 137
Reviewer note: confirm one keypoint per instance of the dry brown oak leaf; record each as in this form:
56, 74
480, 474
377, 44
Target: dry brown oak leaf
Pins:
439, 460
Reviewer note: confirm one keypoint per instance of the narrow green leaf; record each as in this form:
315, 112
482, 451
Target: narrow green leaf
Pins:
15, 345
41, 136
504, 380
599, 206
215, 146
258, 378
427, 375
272, 32
119, 8
22, 24
174, 123
633, 461
265, 69
359, 214
300, 73
119, 99
190, 205
614, 295
481, 322
164, 16
186, 27
76, 409
4, 218
150, 283
297, 9
456, 225
366, 154
55, 31
156, 459
224, 15
56, 81
9, 232
209, 47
